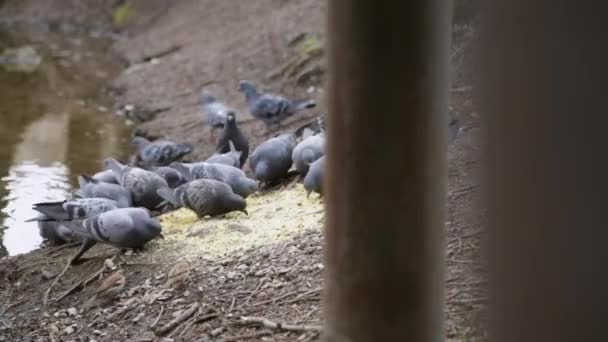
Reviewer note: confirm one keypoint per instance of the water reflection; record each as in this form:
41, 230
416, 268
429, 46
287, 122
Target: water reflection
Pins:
51, 130
28, 183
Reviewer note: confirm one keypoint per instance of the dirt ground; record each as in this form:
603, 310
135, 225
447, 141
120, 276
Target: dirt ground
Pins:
170, 50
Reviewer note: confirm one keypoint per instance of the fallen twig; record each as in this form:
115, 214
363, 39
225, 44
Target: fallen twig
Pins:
162, 308
178, 320
300, 297
206, 318
45, 297
265, 322
84, 282
245, 337
130, 304
253, 293
457, 193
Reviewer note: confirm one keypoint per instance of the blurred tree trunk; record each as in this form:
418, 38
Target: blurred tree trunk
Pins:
386, 169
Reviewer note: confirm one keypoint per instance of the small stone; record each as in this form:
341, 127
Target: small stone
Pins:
47, 274
319, 266
138, 317
129, 108
69, 330
96, 332
110, 264
242, 267
129, 252
186, 293
232, 275
199, 232
72, 312
102, 109
239, 228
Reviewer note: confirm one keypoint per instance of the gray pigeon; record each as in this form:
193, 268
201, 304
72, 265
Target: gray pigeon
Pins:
93, 188
142, 184
106, 176
314, 178
272, 159
171, 176
231, 158
232, 134
53, 214
270, 108
205, 197
123, 228
159, 152
216, 112
307, 151
234, 177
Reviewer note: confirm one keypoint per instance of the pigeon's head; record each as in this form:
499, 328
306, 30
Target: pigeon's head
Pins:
246, 186
237, 202
152, 227
139, 142
207, 97
247, 88
231, 117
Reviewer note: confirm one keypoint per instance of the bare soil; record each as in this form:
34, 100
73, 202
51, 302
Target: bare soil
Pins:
170, 50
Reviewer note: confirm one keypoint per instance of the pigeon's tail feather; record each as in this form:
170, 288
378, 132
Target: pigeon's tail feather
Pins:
167, 195
83, 180
53, 210
114, 165
304, 104
184, 170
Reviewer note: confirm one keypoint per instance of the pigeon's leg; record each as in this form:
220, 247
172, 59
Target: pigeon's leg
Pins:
86, 245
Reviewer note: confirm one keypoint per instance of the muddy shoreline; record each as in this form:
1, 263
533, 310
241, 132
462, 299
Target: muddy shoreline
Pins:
169, 50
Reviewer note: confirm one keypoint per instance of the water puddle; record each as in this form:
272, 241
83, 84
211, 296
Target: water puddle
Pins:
54, 126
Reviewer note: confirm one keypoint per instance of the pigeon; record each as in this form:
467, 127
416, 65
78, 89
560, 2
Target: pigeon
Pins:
106, 176
80, 208
215, 110
142, 184
314, 178
272, 159
93, 188
232, 158
159, 152
307, 151
234, 177
232, 134
122, 227
205, 197
178, 274
270, 108
171, 176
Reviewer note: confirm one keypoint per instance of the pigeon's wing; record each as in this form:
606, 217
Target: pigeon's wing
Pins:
271, 107
88, 207
54, 210
111, 227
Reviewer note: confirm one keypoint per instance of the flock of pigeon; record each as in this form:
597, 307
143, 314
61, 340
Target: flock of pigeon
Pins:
114, 206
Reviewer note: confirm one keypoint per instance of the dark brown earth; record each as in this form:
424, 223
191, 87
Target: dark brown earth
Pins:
170, 50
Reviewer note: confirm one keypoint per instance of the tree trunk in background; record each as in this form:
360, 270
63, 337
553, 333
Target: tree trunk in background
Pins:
544, 85
386, 170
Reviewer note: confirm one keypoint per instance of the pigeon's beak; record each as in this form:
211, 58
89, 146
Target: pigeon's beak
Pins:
161, 236
308, 193
245, 211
